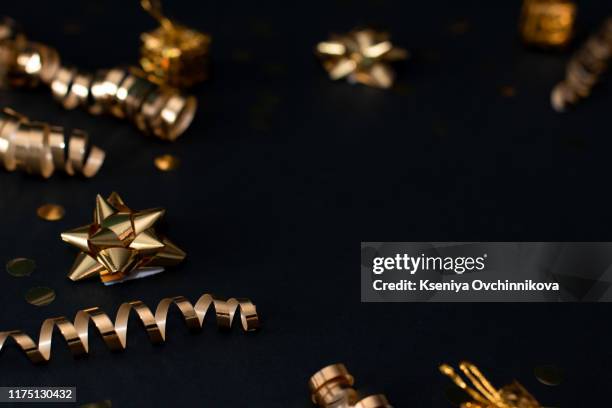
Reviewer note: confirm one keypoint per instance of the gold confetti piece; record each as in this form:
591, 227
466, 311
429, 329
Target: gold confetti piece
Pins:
167, 162
120, 244
507, 91
115, 335
549, 374
40, 296
362, 56
482, 393
99, 404
51, 212
20, 267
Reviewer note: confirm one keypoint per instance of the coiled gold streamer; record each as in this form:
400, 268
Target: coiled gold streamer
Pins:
39, 148
125, 93
115, 335
584, 69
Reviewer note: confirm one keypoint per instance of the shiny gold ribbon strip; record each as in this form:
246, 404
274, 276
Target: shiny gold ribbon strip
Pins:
39, 148
115, 335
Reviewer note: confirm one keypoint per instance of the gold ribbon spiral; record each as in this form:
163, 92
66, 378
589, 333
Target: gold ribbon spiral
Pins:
584, 69
39, 148
115, 335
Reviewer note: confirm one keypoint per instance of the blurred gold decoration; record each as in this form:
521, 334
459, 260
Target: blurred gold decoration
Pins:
332, 387
39, 296
115, 335
584, 69
173, 54
123, 92
40, 148
362, 56
51, 212
20, 267
167, 162
547, 23
121, 244
484, 395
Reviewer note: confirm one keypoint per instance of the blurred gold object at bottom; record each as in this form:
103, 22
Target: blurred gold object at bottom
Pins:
332, 387
484, 395
547, 23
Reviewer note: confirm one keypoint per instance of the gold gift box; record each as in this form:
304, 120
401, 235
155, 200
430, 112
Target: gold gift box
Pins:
547, 23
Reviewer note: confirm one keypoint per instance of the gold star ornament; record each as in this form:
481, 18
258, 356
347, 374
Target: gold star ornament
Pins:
362, 56
121, 244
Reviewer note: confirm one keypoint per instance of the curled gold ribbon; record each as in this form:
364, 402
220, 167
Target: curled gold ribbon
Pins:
584, 69
115, 335
332, 387
39, 148
125, 93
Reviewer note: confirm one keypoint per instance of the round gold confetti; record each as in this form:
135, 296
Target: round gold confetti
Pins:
167, 162
549, 374
51, 212
20, 267
40, 296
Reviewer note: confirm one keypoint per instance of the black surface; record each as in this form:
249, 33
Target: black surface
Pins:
284, 173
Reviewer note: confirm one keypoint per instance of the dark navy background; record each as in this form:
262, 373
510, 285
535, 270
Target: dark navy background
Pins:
284, 173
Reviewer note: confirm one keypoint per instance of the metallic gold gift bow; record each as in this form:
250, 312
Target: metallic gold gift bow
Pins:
332, 387
115, 335
40, 148
484, 395
361, 56
124, 93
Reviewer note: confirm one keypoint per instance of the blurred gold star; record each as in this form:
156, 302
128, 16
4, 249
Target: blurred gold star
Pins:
362, 56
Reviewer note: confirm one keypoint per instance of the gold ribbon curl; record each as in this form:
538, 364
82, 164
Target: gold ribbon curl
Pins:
115, 335
39, 148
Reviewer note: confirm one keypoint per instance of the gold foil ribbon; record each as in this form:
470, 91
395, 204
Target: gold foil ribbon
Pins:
482, 392
40, 148
114, 335
584, 69
125, 93
332, 387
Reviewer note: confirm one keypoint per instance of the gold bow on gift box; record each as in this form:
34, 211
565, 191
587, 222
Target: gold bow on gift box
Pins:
361, 56
120, 244
484, 395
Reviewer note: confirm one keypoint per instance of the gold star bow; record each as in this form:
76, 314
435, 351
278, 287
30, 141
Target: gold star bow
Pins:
484, 395
361, 56
120, 244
